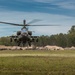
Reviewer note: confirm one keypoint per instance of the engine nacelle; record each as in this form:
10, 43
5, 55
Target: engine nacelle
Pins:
19, 32
30, 32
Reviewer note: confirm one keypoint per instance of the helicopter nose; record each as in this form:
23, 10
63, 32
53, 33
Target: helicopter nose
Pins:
24, 34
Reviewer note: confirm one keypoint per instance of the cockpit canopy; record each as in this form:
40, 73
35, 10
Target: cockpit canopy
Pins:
23, 30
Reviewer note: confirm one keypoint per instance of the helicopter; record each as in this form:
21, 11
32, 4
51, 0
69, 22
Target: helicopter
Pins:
24, 35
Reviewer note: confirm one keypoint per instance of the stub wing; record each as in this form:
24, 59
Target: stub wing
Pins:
13, 36
34, 36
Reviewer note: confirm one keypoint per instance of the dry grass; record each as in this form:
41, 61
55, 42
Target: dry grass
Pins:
47, 63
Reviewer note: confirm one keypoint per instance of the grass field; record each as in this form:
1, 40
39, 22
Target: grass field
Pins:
37, 62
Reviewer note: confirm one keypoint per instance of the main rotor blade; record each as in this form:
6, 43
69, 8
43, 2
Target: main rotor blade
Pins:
42, 25
33, 21
12, 24
26, 24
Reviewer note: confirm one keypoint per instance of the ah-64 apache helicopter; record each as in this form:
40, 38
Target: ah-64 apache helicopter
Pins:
24, 35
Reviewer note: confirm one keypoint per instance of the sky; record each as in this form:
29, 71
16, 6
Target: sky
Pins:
49, 12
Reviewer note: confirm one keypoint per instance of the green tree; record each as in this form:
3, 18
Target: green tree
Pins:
62, 40
52, 40
71, 36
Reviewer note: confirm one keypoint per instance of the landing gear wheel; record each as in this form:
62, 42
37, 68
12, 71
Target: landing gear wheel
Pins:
10, 39
37, 40
29, 43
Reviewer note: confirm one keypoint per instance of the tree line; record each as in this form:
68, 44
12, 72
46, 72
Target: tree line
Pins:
63, 40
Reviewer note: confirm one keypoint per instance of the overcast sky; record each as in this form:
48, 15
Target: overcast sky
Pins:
52, 12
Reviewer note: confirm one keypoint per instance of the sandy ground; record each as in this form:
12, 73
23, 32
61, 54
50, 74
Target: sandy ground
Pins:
34, 55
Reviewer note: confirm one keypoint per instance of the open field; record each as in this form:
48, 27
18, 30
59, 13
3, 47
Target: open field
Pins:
32, 62
11, 53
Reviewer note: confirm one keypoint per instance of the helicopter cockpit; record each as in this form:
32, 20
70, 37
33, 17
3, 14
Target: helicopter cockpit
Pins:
23, 30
